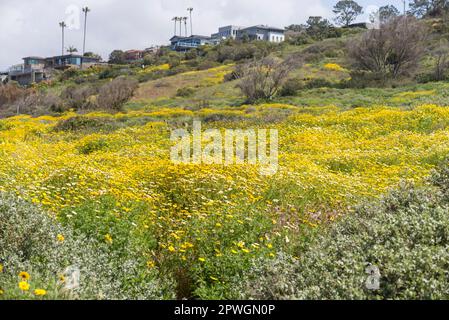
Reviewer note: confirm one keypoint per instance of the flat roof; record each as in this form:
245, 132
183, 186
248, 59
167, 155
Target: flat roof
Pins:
265, 27
34, 57
190, 37
73, 56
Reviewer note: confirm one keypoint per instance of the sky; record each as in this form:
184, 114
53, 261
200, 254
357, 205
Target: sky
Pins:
31, 27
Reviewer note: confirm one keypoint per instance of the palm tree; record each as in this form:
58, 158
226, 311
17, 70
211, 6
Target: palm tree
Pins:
191, 24
86, 10
175, 19
71, 49
185, 24
62, 25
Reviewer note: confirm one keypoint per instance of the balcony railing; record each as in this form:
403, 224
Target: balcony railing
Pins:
17, 70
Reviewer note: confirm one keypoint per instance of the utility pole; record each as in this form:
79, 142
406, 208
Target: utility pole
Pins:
191, 23
62, 25
86, 10
404, 7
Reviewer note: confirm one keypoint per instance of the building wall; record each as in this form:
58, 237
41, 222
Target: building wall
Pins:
276, 37
255, 33
227, 32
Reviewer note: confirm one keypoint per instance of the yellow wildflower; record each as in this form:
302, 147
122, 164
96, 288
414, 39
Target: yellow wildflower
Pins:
1, 268
150, 264
24, 276
108, 238
24, 286
171, 249
60, 238
202, 259
40, 292
333, 67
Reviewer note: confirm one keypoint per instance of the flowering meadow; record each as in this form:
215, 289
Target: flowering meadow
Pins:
109, 178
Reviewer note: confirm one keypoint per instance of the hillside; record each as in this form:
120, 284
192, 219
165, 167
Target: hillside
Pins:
104, 176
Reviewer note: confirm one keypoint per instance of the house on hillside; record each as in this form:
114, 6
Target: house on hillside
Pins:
134, 55
179, 43
71, 61
152, 49
264, 33
227, 32
37, 69
31, 71
259, 32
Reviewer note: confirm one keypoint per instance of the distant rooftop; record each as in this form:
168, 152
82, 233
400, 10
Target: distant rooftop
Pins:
34, 57
265, 27
190, 37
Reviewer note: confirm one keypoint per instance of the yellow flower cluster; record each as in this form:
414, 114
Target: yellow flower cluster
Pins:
25, 286
334, 67
328, 160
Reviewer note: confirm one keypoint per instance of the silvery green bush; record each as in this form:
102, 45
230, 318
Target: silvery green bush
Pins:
405, 235
29, 242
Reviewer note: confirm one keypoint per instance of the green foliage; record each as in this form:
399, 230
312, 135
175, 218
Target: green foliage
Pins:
185, 92
347, 11
87, 124
115, 72
291, 87
318, 83
117, 57
318, 29
405, 235
429, 8
35, 243
92, 146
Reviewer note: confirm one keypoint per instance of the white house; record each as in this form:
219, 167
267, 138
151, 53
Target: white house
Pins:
263, 32
227, 32
259, 32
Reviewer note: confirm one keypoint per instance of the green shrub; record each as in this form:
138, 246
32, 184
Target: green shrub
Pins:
291, 87
114, 72
69, 74
318, 83
92, 146
185, 92
87, 124
405, 235
34, 242
364, 79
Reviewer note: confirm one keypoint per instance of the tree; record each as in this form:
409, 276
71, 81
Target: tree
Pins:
392, 50
117, 57
319, 28
92, 55
421, 8
388, 12
440, 57
264, 78
116, 93
295, 27
347, 11
72, 49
